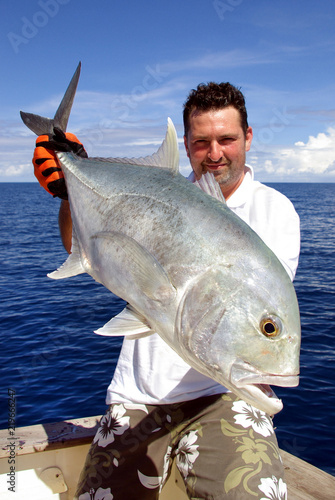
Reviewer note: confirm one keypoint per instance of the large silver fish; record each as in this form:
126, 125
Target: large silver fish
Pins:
189, 268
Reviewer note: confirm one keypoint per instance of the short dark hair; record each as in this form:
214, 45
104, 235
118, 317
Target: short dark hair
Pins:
213, 96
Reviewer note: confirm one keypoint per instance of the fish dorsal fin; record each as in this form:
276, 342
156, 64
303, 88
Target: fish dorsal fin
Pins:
128, 323
208, 184
167, 155
73, 265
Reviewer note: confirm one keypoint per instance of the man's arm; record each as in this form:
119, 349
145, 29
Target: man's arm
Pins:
50, 176
65, 225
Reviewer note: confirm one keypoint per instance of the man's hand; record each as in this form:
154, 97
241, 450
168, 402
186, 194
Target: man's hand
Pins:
46, 166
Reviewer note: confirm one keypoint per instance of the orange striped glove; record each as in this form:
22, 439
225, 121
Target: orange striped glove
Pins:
46, 166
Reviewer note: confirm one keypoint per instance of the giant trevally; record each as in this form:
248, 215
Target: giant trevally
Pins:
188, 267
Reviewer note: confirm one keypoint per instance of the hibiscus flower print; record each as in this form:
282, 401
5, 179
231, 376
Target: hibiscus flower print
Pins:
273, 489
100, 494
253, 452
187, 453
167, 460
113, 423
248, 416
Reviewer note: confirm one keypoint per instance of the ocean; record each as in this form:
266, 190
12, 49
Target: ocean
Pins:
59, 369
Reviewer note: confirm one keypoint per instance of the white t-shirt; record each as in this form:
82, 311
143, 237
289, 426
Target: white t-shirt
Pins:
148, 370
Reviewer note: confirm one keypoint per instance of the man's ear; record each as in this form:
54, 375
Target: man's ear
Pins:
186, 146
248, 138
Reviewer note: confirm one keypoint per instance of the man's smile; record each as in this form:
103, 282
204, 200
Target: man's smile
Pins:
215, 166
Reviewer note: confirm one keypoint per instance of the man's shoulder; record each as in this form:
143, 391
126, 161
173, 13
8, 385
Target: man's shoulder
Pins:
252, 192
269, 194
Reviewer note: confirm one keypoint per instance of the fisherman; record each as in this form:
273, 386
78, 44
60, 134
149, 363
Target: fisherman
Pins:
159, 408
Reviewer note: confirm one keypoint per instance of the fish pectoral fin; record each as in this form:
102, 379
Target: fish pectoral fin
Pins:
143, 270
209, 185
72, 266
129, 323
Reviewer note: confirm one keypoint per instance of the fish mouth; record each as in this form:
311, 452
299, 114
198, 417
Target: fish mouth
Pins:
254, 385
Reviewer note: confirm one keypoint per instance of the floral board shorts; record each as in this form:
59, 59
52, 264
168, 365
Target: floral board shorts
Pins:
223, 447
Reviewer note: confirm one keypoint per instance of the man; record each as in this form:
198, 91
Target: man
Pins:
161, 409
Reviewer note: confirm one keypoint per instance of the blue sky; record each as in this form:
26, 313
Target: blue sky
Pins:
140, 59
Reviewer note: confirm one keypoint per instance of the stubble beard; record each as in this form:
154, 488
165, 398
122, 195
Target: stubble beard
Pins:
223, 175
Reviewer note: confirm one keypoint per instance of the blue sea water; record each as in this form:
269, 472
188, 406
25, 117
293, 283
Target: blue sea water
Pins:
60, 369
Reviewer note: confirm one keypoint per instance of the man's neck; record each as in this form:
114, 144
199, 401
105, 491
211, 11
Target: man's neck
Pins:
227, 191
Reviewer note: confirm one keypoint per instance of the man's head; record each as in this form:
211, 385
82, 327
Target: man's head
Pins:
215, 96
217, 134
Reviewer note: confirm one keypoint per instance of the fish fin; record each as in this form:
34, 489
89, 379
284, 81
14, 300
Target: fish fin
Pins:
129, 323
63, 112
209, 185
38, 124
144, 270
167, 156
41, 125
72, 266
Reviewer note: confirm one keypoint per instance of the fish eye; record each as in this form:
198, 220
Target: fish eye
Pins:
270, 326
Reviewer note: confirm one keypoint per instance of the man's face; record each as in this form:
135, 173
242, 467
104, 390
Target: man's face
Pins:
216, 143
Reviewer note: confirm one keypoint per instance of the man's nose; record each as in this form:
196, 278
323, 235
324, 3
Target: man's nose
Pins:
215, 151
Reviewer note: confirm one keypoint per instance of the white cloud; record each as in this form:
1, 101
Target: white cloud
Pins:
236, 58
310, 160
17, 170
316, 156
